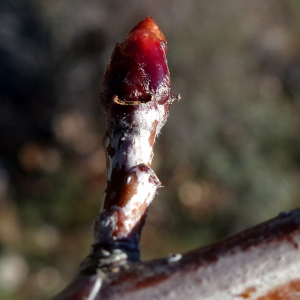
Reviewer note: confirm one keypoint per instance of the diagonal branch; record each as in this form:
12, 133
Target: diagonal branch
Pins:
261, 263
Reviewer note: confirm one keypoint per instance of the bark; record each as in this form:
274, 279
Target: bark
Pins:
260, 263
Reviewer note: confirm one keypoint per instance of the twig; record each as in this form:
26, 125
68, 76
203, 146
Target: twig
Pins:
135, 95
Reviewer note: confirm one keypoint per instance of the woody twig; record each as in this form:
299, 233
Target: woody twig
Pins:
135, 95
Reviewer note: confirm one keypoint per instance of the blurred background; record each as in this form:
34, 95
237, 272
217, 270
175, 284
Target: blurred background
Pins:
228, 157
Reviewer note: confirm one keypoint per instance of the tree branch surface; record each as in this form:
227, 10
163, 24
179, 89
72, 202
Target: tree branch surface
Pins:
260, 263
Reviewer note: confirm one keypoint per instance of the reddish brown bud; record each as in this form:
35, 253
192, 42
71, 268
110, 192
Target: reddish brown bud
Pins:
138, 70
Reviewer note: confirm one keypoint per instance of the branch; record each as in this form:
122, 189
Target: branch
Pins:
260, 263
135, 95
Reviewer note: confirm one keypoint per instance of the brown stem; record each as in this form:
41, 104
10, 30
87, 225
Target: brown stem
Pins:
135, 95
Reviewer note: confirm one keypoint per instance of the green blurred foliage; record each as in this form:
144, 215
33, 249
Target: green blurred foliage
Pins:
228, 157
